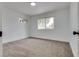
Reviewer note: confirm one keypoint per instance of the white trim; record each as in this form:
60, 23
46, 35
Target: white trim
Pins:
11, 40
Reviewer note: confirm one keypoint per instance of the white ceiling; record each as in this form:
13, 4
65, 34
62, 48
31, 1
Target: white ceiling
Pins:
41, 7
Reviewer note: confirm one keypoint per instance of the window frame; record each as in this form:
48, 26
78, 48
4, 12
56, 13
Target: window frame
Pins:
45, 23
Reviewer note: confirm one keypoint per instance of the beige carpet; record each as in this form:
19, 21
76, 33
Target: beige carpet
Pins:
32, 47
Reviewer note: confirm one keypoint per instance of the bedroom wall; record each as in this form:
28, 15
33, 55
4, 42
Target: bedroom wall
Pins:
61, 26
12, 28
0, 29
74, 27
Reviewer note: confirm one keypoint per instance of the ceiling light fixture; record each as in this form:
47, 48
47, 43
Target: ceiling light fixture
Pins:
33, 4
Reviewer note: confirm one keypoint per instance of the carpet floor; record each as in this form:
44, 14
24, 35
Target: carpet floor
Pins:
33, 47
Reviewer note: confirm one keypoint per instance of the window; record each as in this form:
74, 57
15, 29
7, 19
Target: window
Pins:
46, 23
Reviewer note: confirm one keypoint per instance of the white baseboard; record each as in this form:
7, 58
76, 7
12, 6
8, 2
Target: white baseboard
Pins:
74, 54
11, 40
56, 39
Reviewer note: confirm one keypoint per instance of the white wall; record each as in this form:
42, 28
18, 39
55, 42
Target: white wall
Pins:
0, 19
12, 28
61, 30
0, 29
74, 27
78, 27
